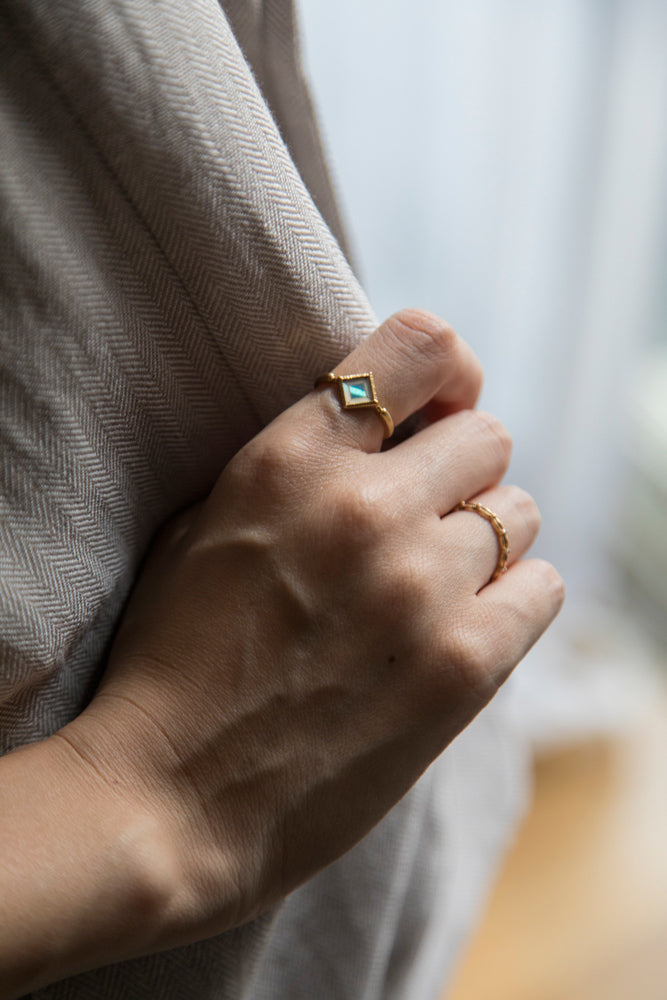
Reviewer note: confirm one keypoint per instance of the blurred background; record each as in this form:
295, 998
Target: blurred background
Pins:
504, 164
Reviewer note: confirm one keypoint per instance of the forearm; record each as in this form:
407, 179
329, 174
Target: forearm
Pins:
85, 875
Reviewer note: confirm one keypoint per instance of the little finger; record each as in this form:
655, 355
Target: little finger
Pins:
508, 618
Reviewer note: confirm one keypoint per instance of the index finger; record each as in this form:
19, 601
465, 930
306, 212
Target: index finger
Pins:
416, 359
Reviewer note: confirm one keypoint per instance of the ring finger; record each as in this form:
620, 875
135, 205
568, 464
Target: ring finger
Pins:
473, 541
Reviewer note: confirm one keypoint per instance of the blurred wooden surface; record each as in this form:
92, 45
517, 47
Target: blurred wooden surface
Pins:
580, 910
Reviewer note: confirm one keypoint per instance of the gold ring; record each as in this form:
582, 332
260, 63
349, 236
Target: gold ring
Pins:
498, 527
358, 392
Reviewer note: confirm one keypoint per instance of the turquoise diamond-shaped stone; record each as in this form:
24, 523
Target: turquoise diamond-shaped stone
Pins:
357, 392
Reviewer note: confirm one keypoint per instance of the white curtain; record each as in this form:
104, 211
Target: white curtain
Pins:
504, 164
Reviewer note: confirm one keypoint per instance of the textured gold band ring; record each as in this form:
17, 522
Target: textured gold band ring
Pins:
498, 527
357, 392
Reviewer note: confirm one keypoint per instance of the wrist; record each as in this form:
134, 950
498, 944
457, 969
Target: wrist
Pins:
87, 875
186, 859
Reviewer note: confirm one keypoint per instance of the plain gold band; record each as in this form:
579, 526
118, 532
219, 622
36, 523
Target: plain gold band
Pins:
498, 527
372, 402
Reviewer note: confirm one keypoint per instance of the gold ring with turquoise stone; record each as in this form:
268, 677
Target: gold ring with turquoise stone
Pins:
357, 392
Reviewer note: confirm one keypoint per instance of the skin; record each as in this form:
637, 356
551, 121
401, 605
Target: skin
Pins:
296, 652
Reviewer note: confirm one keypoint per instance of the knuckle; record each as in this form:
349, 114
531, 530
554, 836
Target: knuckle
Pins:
269, 463
418, 329
524, 504
358, 516
495, 432
471, 652
472, 656
553, 580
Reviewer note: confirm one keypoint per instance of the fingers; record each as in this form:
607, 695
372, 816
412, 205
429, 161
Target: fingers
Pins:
415, 359
471, 541
451, 460
507, 618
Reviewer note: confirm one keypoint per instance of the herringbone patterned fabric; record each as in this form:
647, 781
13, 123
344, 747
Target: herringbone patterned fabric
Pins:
167, 286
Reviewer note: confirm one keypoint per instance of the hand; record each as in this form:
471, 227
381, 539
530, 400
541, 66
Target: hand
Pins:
301, 646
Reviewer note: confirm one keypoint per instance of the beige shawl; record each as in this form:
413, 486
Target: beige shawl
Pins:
171, 278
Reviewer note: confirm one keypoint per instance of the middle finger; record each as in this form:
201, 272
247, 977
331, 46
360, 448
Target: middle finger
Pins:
451, 460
